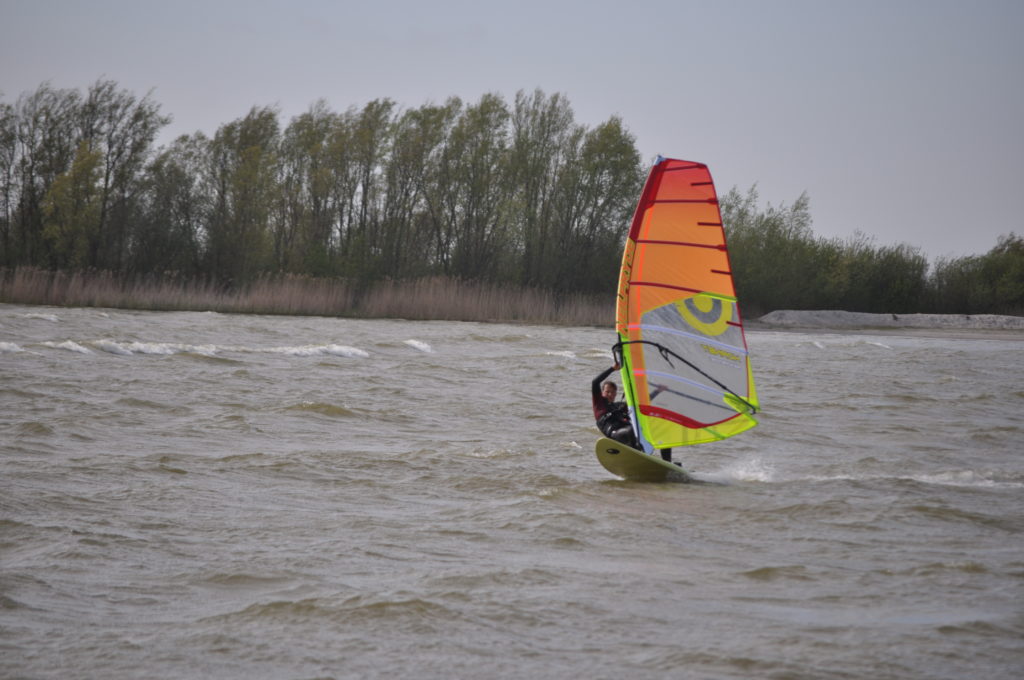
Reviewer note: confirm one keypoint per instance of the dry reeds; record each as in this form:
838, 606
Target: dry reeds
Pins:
439, 298
451, 299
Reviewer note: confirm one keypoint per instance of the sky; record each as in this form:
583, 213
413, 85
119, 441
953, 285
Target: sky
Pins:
900, 119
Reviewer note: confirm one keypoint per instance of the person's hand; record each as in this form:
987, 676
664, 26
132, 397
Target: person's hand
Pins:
616, 366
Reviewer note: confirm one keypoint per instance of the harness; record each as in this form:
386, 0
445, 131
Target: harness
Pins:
616, 414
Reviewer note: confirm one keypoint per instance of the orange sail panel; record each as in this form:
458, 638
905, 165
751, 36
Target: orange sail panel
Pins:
685, 366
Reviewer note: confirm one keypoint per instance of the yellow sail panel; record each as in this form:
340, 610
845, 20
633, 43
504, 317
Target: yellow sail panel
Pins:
685, 365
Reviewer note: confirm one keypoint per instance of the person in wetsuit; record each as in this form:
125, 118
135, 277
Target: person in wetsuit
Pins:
612, 416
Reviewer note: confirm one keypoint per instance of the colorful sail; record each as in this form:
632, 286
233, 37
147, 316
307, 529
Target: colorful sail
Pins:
685, 367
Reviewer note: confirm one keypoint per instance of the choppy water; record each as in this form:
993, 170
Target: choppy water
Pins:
201, 495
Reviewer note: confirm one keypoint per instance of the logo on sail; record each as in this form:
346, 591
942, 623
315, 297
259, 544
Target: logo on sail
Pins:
715, 351
708, 314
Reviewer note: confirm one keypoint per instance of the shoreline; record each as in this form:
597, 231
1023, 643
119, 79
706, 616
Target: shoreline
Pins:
754, 327
819, 322
841, 320
966, 326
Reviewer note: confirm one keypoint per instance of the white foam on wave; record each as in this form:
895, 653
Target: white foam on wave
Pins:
120, 348
968, 478
153, 348
159, 348
10, 348
69, 345
112, 347
420, 345
958, 478
848, 343
750, 470
39, 315
319, 351
565, 353
346, 351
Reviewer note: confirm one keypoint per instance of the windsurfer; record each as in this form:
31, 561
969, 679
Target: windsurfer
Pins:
612, 416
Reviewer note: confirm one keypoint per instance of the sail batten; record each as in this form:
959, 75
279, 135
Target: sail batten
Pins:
694, 383
680, 243
685, 364
664, 285
712, 201
694, 336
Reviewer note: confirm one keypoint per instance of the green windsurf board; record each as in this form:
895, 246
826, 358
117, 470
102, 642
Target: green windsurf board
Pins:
637, 466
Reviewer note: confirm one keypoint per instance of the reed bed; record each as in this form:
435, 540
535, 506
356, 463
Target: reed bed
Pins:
437, 298
450, 299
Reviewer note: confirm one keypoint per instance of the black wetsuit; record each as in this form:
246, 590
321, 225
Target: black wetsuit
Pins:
612, 417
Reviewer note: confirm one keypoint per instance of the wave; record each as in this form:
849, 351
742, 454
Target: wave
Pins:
421, 346
53, 318
10, 348
358, 610
845, 343
122, 348
331, 410
749, 470
757, 470
964, 566
136, 403
501, 339
155, 348
955, 478
241, 580
316, 351
69, 345
783, 573
34, 428
966, 478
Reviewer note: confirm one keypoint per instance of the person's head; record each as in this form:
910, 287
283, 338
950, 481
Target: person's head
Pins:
609, 390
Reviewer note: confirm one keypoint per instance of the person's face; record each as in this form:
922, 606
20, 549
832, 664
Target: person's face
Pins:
608, 392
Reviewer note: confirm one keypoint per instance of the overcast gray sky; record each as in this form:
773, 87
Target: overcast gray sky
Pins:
899, 118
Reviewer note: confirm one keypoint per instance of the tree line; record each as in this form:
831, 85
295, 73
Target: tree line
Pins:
511, 192
502, 192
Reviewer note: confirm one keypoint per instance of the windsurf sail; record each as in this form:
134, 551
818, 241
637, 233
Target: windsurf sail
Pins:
685, 369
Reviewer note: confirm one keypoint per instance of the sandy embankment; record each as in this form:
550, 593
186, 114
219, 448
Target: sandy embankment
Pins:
838, 320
